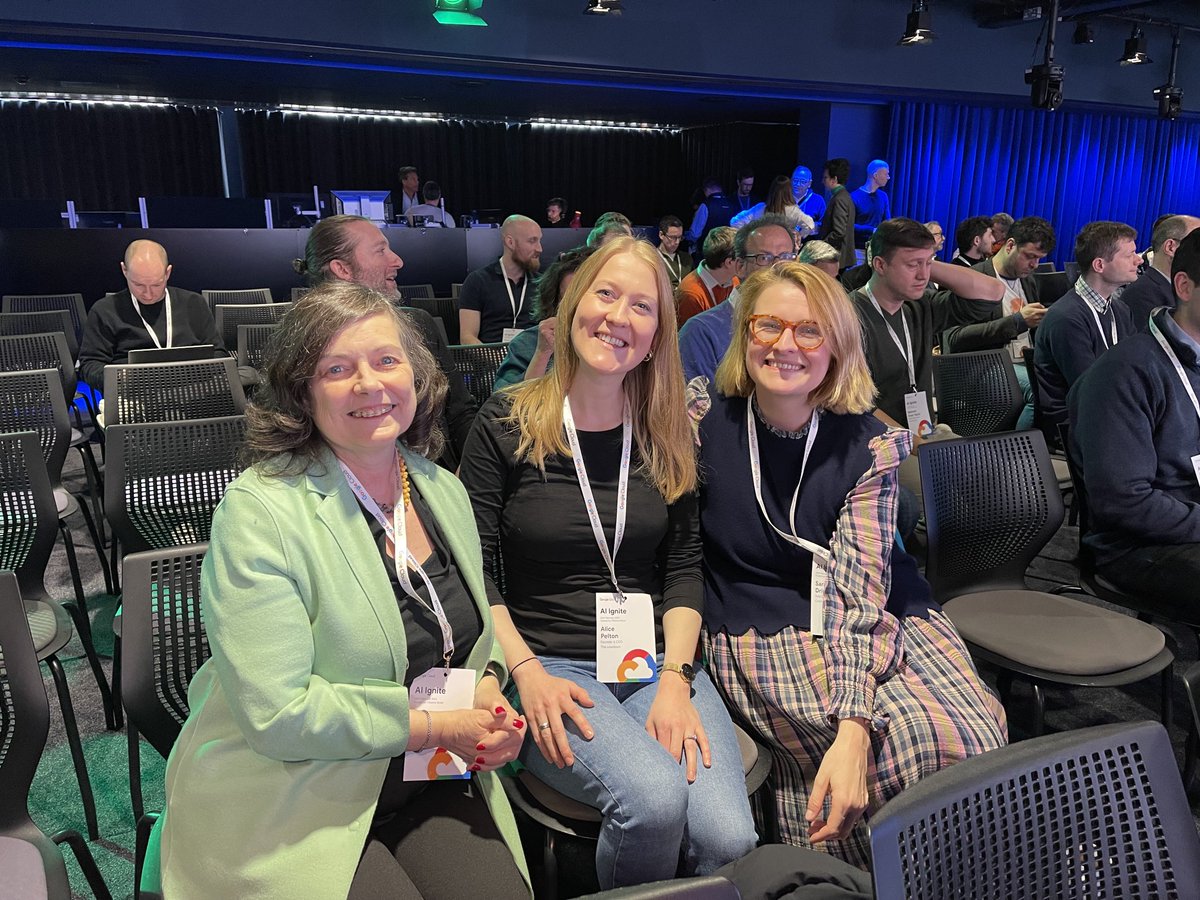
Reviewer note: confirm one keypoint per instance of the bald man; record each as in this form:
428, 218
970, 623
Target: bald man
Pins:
146, 315
496, 302
1154, 287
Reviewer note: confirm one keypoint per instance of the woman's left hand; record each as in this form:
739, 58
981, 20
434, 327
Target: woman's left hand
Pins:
842, 777
504, 743
674, 722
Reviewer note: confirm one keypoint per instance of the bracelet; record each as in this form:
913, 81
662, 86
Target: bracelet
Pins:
428, 731
521, 663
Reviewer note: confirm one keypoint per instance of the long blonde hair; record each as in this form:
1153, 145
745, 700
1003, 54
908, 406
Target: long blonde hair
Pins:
847, 387
654, 388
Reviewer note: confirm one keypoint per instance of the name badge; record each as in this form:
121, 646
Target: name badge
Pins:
510, 333
625, 647
439, 690
816, 594
916, 410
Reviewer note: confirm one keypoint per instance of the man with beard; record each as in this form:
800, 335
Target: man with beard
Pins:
495, 302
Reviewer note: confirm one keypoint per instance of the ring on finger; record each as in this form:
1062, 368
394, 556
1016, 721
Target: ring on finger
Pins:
692, 737
543, 726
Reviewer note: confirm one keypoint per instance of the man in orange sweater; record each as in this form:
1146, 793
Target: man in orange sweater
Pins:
713, 279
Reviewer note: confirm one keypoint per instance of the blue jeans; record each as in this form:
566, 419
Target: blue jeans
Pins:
650, 811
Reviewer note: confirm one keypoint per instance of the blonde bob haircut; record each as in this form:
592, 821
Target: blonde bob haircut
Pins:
847, 387
654, 388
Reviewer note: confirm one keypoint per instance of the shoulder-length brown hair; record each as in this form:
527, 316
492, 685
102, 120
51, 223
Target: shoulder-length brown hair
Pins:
847, 387
281, 437
654, 388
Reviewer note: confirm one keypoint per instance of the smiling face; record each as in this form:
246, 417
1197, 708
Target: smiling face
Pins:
784, 369
362, 394
615, 322
372, 262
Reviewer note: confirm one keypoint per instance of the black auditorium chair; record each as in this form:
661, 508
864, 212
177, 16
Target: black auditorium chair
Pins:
1058, 459
443, 310
71, 303
229, 317
477, 364
252, 344
42, 322
1087, 814
977, 392
991, 504
408, 291
253, 295
31, 864
172, 391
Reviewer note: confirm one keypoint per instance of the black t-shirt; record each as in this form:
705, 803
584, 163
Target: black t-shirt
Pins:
484, 292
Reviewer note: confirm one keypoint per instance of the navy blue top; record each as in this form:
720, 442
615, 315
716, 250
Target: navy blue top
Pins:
1152, 290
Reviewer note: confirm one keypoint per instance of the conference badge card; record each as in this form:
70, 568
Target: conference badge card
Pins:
439, 690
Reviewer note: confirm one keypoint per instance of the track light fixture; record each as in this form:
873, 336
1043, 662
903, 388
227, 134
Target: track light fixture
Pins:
919, 27
1135, 49
1170, 96
603, 8
1084, 34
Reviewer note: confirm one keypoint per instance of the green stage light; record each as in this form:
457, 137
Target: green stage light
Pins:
458, 12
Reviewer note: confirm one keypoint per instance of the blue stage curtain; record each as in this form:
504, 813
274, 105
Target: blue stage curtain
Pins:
952, 161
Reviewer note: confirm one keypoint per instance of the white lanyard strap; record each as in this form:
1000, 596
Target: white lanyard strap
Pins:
1099, 327
1167, 349
676, 270
397, 532
516, 307
154, 337
585, 487
906, 349
756, 477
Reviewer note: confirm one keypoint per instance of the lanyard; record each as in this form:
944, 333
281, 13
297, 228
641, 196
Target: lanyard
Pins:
675, 270
516, 307
1187, 385
908, 356
154, 337
1099, 327
397, 532
585, 487
756, 478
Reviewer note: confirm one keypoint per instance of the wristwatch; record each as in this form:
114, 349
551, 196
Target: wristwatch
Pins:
684, 671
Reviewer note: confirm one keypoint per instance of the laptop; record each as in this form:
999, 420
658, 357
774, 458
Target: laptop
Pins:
172, 354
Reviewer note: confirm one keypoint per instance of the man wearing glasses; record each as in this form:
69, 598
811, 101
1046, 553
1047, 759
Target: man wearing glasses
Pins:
704, 338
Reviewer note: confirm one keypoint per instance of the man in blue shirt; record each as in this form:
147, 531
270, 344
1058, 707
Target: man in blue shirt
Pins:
810, 202
871, 202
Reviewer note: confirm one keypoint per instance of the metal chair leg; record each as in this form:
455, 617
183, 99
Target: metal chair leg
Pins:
72, 729
135, 772
97, 541
87, 862
1039, 710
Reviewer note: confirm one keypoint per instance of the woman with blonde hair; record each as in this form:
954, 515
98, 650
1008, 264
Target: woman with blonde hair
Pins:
583, 484
819, 632
782, 202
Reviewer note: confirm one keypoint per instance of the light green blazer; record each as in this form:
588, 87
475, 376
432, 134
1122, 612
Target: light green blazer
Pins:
272, 784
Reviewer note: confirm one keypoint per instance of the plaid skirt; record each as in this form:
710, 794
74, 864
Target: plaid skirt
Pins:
935, 708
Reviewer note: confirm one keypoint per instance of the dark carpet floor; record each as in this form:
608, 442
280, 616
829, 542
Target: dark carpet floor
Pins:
55, 802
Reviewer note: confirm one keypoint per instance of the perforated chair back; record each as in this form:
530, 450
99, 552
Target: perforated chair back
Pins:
227, 298
47, 350
28, 515
72, 303
977, 392
1093, 814
228, 318
477, 364
252, 341
991, 504
46, 321
455, 289
298, 292
408, 291
165, 479
443, 309
33, 401
163, 641
1039, 420
172, 391
24, 707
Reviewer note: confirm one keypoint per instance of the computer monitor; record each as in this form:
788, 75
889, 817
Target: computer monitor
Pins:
373, 205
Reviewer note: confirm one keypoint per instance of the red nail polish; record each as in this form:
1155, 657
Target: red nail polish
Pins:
474, 768
480, 747
480, 759
518, 724
499, 710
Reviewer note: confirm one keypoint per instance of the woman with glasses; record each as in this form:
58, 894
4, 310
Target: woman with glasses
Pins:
819, 631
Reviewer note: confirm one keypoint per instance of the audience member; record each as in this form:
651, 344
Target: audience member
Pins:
712, 281
820, 255
433, 208
810, 202
780, 202
351, 248
1153, 287
1135, 429
714, 211
410, 189
556, 213
973, 241
1089, 318
659, 760
289, 776
492, 304
678, 262
146, 315
857, 276
939, 237
778, 576
609, 225
837, 227
704, 338
531, 353
744, 197
871, 204
1001, 223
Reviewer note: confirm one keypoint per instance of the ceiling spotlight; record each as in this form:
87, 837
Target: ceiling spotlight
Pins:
919, 27
1084, 34
603, 8
1046, 85
1135, 49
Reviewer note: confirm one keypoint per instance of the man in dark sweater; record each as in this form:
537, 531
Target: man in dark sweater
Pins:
837, 228
973, 240
1087, 320
1135, 430
144, 316
1153, 287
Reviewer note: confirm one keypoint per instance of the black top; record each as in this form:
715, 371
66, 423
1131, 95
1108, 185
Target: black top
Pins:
459, 411
1152, 290
538, 524
484, 292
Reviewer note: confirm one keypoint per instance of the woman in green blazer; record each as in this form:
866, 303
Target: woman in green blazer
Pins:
288, 777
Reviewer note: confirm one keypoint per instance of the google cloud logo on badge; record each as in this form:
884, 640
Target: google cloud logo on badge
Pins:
638, 665
442, 767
